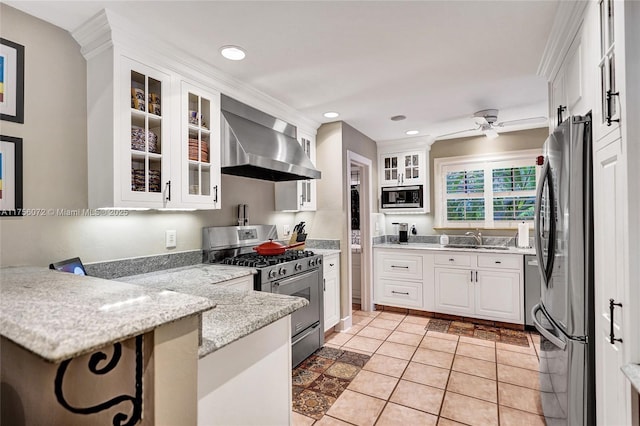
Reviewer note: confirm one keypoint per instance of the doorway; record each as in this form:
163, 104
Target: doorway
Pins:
359, 253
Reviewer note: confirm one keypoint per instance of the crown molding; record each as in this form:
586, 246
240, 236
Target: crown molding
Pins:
107, 29
566, 24
394, 145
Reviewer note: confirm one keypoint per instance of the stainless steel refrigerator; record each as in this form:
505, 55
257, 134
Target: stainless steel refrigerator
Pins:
564, 249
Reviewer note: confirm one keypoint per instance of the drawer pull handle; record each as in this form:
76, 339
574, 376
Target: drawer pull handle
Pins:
400, 292
471, 275
331, 264
497, 261
452, 260
396, 266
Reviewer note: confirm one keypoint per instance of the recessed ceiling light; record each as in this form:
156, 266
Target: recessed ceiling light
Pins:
233, 53
331, 114
412, 132
398, 117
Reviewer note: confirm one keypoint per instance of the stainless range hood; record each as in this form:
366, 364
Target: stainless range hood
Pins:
259, 146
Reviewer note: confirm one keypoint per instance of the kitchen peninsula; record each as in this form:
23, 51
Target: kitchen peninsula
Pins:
83, 350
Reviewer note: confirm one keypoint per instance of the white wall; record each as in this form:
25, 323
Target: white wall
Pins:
55, 173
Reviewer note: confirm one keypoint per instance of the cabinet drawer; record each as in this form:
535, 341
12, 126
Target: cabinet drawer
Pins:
331, 264
399, 293
404, 266
499, 261
453, 259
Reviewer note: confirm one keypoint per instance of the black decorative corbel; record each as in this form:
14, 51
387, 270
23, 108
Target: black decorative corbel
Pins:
120, 419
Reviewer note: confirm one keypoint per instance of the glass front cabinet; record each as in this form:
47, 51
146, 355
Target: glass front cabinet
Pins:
298, 195
399, 169
146, 156
200, 148
153, 138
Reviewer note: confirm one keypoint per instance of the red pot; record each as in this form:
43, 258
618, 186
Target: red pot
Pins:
273, 248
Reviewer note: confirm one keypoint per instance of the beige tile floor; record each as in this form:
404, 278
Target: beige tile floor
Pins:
420, 377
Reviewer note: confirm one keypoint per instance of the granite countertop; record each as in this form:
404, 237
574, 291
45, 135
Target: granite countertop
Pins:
438, 247
632, 371
237, 314
325, 252
58, 315
182, 279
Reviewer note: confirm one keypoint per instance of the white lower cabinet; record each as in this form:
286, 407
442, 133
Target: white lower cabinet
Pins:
497, 295
486, 286
454, 291
402, 279
331, 278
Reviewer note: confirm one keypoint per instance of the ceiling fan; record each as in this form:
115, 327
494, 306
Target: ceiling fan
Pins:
486, 121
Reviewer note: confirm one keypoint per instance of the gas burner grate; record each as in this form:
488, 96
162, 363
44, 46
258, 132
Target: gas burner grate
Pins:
255, 260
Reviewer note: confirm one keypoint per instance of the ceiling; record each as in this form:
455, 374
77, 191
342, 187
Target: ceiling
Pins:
437, 62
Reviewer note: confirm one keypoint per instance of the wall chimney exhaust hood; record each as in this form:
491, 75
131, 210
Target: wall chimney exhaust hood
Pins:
260, 146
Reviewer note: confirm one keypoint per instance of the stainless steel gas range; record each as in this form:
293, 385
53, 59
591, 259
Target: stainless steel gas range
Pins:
294, 273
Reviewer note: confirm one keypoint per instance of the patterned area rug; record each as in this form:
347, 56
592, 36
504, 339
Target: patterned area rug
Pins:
486, 332
320, 379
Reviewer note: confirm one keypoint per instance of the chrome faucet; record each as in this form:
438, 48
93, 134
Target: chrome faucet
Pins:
478, 237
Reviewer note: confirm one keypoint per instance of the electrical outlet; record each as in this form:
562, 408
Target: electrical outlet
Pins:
170, 238
286, 230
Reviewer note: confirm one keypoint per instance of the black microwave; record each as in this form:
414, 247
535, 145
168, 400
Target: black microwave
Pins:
402, 197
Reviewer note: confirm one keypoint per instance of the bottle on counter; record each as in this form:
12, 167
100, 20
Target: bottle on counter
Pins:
444, 239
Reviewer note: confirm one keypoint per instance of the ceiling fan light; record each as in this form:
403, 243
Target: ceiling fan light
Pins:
491, 133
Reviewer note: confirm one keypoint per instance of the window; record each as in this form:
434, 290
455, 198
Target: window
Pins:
496, 191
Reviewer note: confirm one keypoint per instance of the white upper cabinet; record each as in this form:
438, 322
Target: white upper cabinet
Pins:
144, 142
607, 108
156, 142
299, 195
402, 168
200, 148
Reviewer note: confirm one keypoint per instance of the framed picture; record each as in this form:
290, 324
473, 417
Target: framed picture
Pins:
10, 176
11, 81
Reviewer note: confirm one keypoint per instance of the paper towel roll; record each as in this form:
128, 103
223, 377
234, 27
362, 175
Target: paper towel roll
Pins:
523, 235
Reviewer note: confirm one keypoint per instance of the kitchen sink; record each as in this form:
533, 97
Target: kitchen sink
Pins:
469, 246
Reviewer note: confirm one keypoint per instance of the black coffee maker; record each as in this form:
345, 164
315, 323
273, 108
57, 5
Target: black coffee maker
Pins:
403, 232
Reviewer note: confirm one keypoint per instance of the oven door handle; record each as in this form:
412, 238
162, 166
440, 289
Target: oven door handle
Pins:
295, 278
309, 331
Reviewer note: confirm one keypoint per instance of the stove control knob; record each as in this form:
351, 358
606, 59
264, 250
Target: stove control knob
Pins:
272, 273
312, 262
319, 261
282, 271
298, 266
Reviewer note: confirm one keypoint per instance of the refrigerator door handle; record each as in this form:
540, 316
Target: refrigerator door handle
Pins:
545, 269
549, 336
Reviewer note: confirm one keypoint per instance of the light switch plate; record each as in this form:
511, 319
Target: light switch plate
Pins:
170, 238
286, 230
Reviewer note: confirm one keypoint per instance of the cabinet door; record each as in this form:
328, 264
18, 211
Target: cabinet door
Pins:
298, 195
390, 169
497, 296
609, 235
307, 188
412, 168
331, 291
607, 112
145, 161
200, 148
454, 291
